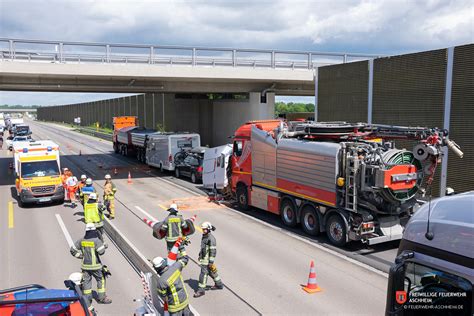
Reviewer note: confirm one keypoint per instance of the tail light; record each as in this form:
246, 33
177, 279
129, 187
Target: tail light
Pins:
170, 158
368, 226
199, 169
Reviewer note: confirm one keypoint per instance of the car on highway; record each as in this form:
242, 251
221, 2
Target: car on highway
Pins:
190, 164
35, 299
12, 140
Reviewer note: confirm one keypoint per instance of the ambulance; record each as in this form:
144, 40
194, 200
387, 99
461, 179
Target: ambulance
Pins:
37, 170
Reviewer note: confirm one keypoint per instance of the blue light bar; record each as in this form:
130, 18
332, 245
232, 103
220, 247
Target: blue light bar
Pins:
50, 148
25, 150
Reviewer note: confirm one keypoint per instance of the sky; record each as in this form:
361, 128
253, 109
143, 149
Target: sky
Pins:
385, 27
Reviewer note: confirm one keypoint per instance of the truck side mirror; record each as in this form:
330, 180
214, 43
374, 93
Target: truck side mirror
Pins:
396, 283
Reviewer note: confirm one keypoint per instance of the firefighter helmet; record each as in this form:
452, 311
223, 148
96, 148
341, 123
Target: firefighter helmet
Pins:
107, 177
89, 181
76, 277
93, 196
83, 177
159, 264
206, 225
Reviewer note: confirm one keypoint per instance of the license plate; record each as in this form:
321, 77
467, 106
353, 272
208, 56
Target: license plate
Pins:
44, 200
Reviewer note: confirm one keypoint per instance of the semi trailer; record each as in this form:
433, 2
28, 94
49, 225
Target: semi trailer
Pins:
157, 149
129, 139
348, 180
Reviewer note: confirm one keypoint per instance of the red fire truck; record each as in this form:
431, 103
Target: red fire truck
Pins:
345, 179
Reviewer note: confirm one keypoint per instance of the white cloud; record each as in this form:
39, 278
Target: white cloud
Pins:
52, 98
366, 26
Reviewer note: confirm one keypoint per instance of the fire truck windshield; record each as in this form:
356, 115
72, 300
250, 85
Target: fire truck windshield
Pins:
39, 169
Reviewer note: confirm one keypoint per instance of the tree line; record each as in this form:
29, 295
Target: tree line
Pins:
282, 107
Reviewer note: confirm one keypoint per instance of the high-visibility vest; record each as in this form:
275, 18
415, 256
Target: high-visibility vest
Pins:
173, 224
91, 213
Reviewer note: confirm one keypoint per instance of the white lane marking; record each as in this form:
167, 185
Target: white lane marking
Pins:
65, 231
195, 312
146, 213
335, 253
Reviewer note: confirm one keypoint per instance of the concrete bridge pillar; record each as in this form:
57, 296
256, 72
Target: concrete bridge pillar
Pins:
228, 115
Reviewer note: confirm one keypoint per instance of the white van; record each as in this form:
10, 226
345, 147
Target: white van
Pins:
161, 148
215, 167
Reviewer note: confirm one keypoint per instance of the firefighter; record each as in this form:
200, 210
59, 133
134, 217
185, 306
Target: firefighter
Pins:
109, 195
78, 279
171, 286
173, 226
86, 190
207, 255
80, 185
89, 249
64, 176
71, 184
93, 214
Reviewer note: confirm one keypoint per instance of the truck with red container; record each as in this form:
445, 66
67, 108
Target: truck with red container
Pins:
345, 179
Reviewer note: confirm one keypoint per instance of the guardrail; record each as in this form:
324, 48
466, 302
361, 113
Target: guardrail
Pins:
93, 132
116, 53
135, 258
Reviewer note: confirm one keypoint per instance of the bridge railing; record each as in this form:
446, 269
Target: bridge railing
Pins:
81, 52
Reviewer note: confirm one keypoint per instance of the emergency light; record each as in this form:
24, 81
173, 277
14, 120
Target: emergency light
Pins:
49, 148
25, 150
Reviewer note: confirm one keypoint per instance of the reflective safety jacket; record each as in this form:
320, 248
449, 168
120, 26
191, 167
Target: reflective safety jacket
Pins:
89, 249
182, 255
109, 191
92, 214
173, 225
208, 252
172, 289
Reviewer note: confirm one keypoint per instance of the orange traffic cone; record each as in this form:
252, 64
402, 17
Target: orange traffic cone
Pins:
173, 254
129, 178
312, 286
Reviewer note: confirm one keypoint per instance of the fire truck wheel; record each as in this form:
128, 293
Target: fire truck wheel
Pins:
242, 197
336, 230
288, 213
310, 220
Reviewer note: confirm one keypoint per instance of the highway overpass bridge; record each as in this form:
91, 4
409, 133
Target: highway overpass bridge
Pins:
174, 81
35, 65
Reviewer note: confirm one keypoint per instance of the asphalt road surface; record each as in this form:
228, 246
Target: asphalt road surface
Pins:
262, 264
